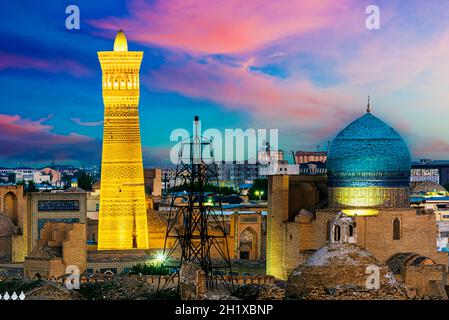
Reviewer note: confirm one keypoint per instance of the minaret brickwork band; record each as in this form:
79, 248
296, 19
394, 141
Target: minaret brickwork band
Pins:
122, 217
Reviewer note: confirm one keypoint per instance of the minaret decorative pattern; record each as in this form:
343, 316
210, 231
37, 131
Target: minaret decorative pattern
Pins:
122, 217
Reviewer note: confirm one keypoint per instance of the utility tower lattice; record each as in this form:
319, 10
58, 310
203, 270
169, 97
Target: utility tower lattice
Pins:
196, 227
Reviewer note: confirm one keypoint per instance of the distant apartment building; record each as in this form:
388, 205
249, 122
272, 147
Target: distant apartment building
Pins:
267, 155
430, 170
55, 176
5, 174
284, 168
24, 174
310, 156
429, 196
168, 178
306, 162
272, 162
153, 181
278, 168
228, 174
46, 175
237, 173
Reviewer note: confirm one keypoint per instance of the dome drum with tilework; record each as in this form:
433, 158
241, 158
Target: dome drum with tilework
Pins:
368, 166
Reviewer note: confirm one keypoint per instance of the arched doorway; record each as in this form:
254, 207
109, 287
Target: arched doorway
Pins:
337, 233
10, 207
248, 245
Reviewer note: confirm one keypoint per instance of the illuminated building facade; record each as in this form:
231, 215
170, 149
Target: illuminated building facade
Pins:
368, 166
122, 215
368, 184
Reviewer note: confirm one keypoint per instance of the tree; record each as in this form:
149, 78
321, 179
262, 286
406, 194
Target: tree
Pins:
66, 179
259, 185
148, 269
226, 191
446, 186
11, 178
85, 180
31, 186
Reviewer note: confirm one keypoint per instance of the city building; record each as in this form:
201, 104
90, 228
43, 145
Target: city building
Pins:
167, 178
235, 173
153, 181
122, 215
430, 170
14, 224
279, 167
245, 226
248, 241
69, 206
368, 174
55, 176
46, 176
428, 196
23, 216
24, 174
310, 156
267, 154
60, 250
271, 162
343, 265
93, 205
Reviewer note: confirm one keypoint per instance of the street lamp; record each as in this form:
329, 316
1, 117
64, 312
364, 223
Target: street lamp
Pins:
160, 258
259, 193
210, 202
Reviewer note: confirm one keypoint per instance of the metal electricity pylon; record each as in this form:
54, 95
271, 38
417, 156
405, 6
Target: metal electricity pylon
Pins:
196, 229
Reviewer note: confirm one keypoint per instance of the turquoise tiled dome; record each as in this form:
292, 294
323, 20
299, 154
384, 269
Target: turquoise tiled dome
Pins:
368, 153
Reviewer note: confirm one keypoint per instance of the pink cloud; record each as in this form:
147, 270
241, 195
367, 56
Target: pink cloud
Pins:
33, 140
436, 146
56, 65
230, 26
284, 102
403, 65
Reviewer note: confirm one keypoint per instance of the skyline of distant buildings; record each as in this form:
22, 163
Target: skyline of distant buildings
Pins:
229, 174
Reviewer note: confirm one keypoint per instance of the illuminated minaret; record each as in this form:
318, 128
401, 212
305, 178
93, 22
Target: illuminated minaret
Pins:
122, 218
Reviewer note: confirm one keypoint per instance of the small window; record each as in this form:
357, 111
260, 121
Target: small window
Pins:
328, 230
244, 255
396, 229
351, 230
337, 233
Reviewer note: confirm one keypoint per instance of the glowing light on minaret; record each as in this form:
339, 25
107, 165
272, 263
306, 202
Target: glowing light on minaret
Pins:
122, 217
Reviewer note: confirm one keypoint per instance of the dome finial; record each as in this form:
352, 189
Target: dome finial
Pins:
120, 43
368, 107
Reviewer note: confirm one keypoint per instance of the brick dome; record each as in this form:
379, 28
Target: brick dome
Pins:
339, 271
426, 187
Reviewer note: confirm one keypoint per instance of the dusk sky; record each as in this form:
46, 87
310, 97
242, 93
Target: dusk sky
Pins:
303, 67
